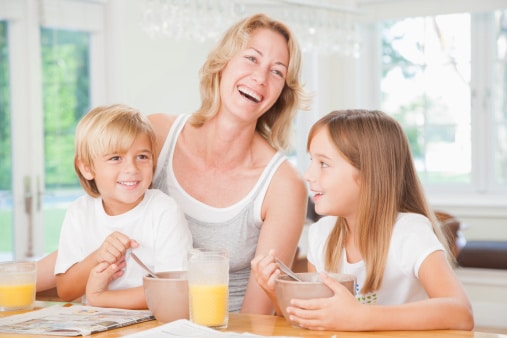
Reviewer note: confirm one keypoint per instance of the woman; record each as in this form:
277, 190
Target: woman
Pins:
223, 164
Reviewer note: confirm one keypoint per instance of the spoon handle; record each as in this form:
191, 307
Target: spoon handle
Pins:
287, 270
138, 261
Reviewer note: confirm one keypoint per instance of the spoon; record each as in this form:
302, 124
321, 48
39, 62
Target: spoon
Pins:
138, 261
287, 270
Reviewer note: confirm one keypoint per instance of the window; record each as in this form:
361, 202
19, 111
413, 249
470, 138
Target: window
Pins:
66, 97
6, 234
500, 99
426, 86
438, 81
48, 82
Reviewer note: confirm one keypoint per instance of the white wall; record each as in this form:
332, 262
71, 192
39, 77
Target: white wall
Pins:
153, 75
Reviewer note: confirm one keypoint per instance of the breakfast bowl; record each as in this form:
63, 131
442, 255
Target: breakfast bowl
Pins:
310, 287
167, 295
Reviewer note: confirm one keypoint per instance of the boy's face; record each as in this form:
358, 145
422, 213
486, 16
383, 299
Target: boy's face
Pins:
122, 179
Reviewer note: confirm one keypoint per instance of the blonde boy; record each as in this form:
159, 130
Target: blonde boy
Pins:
115, 162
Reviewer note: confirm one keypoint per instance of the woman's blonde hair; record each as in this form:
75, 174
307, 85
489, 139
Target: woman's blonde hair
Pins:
108, 129
375, 144
275, 124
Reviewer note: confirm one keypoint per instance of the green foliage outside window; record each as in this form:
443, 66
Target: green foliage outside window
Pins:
66, 92
5, 142
5, 121
65, 77
416, 62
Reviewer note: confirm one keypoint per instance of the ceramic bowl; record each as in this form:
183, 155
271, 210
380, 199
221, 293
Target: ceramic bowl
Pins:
167, 296
310, 287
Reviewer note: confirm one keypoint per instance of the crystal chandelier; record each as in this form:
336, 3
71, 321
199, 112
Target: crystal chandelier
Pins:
318, 26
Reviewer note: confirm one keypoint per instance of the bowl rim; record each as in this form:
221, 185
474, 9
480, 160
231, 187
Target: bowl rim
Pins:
344, 277
148, 277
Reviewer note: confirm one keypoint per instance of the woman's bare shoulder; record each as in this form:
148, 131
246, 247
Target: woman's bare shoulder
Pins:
286, 175
161, 124
162, 120
287, 181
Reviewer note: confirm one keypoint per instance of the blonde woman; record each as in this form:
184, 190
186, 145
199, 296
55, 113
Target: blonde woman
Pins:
224, 163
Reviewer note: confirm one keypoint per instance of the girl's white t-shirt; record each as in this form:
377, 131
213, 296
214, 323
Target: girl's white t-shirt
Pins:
412, 241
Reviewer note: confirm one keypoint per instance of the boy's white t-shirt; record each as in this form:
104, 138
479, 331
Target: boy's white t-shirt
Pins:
412, 241
157, 223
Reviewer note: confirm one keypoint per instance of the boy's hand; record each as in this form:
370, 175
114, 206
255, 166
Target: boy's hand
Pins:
114, 247
99, 279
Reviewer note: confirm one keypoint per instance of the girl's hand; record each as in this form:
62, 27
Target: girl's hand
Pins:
114, 247
98, 281
265, 270
339, 312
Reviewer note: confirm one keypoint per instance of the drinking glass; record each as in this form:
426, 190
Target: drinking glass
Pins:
17, 285
208, 286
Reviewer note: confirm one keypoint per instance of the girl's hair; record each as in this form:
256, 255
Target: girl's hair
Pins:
108, 129
274, 125
375, 144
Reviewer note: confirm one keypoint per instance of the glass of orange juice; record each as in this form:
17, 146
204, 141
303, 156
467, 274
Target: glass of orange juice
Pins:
208, 287
17, 285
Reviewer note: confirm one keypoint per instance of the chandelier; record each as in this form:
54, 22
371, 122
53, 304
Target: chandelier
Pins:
319, 26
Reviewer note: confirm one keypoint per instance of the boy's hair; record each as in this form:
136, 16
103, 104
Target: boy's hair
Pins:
375, 144
108, 129
274, 125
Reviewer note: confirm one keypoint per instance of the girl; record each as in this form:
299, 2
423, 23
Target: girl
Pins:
379, 228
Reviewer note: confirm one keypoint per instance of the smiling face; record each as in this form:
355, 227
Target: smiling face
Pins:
253, 80
333, 180
122, 178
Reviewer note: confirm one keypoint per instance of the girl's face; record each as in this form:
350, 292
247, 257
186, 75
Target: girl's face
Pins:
122, 179
333, 181
253, 80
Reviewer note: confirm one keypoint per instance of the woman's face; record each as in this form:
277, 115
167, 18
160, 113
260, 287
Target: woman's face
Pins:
333, 181
253, 80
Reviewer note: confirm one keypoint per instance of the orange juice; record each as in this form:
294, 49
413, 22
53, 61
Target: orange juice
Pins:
208, 304
17, 296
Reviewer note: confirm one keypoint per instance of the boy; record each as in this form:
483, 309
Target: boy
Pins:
115, 161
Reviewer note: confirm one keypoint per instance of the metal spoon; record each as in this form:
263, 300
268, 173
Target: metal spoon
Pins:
287, 270
138, 261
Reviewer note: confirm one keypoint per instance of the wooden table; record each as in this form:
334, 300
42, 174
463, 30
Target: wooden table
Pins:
273, 326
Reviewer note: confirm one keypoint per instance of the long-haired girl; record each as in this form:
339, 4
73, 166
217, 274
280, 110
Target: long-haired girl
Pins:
379, 228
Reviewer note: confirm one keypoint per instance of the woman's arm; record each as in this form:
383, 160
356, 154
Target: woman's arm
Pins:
46, 272
161, 124
284, 211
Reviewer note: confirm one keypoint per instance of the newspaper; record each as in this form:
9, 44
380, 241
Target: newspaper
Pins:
71, 320
185, 328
